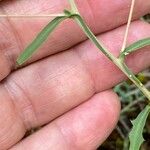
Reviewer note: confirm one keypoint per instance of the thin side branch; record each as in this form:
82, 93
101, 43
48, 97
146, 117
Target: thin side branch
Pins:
128, 25
31, 16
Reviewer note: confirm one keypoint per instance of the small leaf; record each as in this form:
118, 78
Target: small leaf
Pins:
39, 40
67, 12
135, 46
135, 136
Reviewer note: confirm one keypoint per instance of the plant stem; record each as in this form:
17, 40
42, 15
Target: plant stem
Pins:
117, 61
31, 16
73, 7
133, 78
93, 38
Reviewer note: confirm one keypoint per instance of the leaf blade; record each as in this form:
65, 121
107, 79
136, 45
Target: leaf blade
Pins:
136, 46
135, 136
39, 40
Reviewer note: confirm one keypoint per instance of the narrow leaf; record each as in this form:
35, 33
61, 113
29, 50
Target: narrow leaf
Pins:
136, 46
39, 40
135, 136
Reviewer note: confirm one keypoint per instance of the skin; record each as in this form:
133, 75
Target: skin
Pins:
65, 88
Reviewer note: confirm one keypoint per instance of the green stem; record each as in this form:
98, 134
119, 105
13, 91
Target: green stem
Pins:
92, 37
74, 9
117, 61
134, 79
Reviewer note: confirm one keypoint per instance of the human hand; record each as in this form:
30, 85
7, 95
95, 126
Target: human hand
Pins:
67, 85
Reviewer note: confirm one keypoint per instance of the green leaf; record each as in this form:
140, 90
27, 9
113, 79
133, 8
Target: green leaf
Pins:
135, 136
39, 40
136, 46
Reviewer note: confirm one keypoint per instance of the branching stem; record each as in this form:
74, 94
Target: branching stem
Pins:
117, 61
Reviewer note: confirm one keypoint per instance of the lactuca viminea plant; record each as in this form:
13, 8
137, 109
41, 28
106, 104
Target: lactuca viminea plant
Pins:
136, 138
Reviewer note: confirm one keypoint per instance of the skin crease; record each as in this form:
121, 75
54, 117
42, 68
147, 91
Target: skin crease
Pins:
68, 91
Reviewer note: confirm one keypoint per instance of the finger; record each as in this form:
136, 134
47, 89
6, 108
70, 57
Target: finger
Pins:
43, 91
85, 127
21, 32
